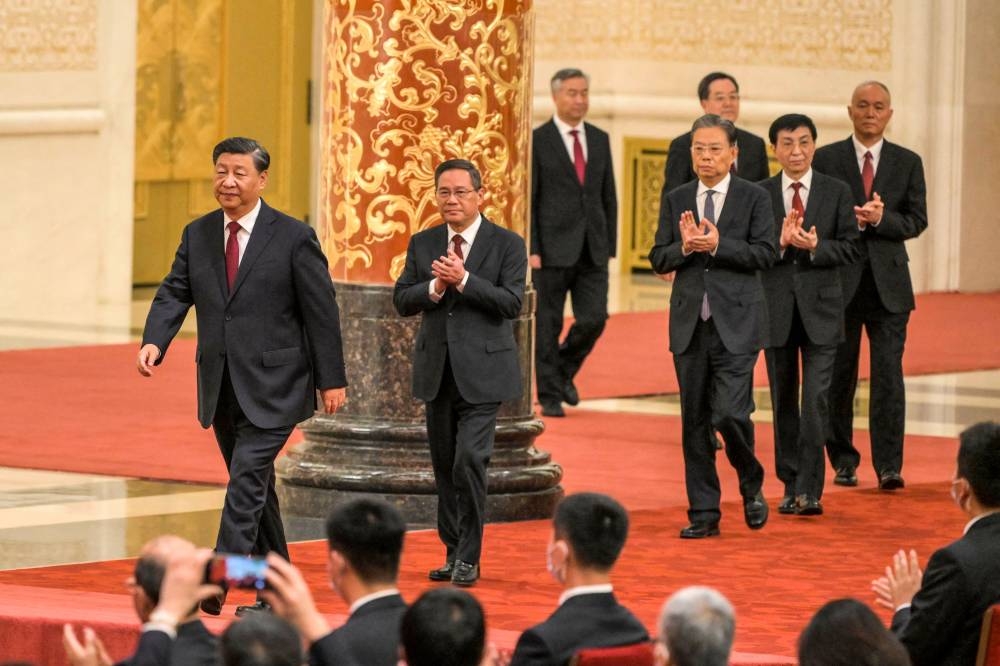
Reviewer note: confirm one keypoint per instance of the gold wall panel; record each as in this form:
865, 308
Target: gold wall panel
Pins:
839, 34
406, 85
55, 35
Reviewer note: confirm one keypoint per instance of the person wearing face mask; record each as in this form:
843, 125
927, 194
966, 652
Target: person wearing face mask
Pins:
366, 539
938, 612
588, 534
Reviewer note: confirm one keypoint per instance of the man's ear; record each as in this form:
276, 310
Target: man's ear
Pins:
661, 656
560, 553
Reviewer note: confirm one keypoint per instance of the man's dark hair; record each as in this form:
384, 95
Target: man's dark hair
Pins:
239, 145
595, 526
979, 461
789, 123
463, 165
261, 639
149, 574
712, 120
564, 74
708, 79
846, 631
444, 627
369, 534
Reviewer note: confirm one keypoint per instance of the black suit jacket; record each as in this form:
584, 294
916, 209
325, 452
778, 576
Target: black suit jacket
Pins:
370, 637
899, 180
472, 329
962, 580
278, 331
587, 620
811, 280
735, 293
751, 163
564, 213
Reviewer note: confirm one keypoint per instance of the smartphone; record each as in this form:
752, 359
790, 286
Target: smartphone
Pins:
238, 571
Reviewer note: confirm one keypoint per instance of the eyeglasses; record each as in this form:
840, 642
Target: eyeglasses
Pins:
714, 150
733, 97
444, 194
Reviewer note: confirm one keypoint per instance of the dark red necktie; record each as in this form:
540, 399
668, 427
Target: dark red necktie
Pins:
232, 254
456, 242
868, 175
579, 161
797, 200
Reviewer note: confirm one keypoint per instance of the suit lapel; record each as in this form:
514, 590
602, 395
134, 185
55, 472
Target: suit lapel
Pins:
734, 202
263, 230
815, 204
849, 163
216, 240
557, 144
886, 167
593, 149
479, 249
777, 198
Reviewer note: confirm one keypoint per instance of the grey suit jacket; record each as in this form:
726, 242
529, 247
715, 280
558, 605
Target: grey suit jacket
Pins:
899, 180
279, 329
811, 280
471, 329
735, 292
565, 213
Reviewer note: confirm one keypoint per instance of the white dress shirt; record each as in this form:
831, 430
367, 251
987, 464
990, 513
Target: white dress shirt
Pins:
246, 228
564, 129
468, 238
860, 149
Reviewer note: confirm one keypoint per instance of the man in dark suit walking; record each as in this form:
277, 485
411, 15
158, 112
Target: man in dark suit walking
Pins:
887, 186
574, 233
466, 277
718, 320
268, 338
720, 95
938, 613
817, 234
588, 534
365, 537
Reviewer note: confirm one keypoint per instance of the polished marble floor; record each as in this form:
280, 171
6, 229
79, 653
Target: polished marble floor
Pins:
55, 517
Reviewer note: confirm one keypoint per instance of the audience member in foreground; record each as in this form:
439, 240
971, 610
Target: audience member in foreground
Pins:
697, 625
194, 644
261, 639
938, 613
845, 632
444, 627
588, 533
366, 539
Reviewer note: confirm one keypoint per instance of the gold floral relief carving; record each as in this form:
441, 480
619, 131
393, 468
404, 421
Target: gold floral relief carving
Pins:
55, 35
408, 84
822, 34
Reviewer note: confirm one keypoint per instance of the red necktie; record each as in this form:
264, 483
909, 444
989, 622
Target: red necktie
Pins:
579, 161
868, 175
456, 242
797, 200
232, 254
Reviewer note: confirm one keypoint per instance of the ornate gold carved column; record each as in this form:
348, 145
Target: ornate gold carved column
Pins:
407, 84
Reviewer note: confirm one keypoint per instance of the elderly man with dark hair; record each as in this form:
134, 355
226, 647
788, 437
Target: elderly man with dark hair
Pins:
588, 534
697, 625
444, 627
938, 613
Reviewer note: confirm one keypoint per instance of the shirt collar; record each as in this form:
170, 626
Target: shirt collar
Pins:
721, 187
860, 149
564, 127
806, 180
975, 520
600, 588
358, 603
469, 235
248, 220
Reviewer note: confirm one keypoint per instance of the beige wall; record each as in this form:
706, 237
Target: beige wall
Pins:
66, 137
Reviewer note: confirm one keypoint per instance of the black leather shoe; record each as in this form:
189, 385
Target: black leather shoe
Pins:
465, 574
700, 530
256, 607
890, 480
755, 512
807, 505
442, 574
552, 409
846, 476
787, 505
570, 395
213, 605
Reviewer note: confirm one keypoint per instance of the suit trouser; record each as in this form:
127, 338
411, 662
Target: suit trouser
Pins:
251, 520
887, 402
799, 432
461, 439
716, 392
587, 285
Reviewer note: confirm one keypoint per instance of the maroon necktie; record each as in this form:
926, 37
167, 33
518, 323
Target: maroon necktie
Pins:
797, 200
579, 161
456, 243
232, 254
868, 175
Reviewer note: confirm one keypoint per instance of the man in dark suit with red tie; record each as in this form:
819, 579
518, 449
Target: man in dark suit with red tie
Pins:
268, 339
887, 185
574, 233
716, 232
466, 280
816, 233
